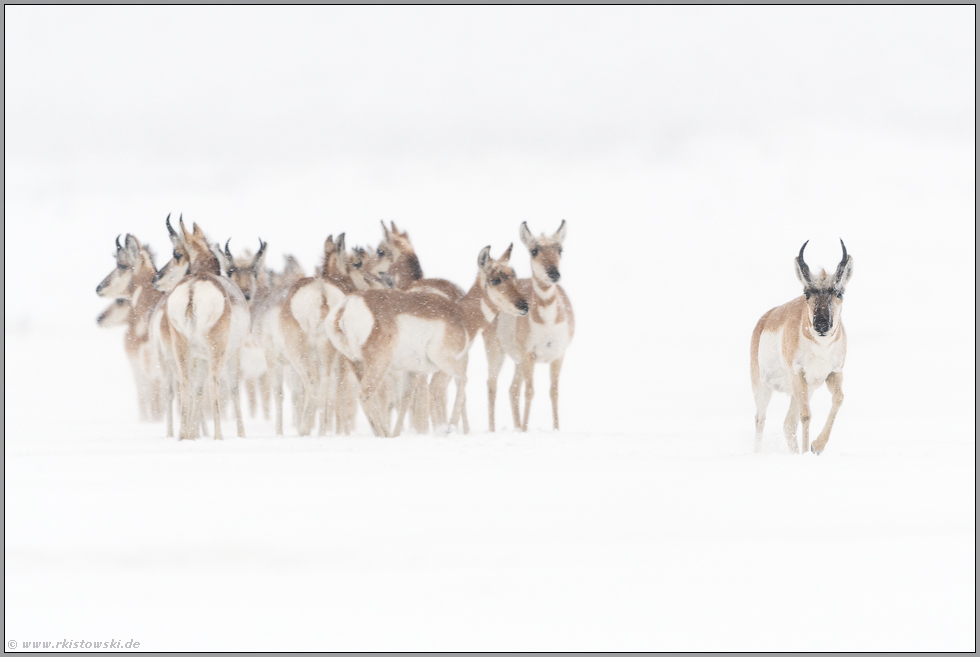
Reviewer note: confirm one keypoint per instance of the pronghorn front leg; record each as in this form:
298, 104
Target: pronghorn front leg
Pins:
834, 383
801, 394
515, 395
555, 373
495, 360
527, 365
790, 424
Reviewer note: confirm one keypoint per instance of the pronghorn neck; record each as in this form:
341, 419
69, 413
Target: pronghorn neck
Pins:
205, 263
545, 292
544, 308
478, 310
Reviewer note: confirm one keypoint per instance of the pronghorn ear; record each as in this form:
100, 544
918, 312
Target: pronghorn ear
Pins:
800, 275
559, 235
259, 257
342, 253
394, 229
197, 230
385, 230
174, 235
527, 239
132, 249
224, 262
845, 275
484, 261
505, 258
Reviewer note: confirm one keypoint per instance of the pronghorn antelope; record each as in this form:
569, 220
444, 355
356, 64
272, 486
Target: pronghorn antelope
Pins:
292, 271
799, 346
132, 280
397, 257
208, 321
117, 314
396, 250
540, 337
383, 330
290, 327
249, 274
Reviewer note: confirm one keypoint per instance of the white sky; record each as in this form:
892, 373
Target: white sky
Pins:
252, 83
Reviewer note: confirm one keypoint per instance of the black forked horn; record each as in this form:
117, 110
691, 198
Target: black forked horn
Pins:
843, 262
170, 229
262, 246
804, 269
118, 246
227, 252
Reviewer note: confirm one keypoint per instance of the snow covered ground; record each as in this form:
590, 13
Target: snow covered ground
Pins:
647, 523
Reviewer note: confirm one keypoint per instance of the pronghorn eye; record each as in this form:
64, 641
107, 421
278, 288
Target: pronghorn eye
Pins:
534, 253
495, 281
559, 250
381, 253
178, 255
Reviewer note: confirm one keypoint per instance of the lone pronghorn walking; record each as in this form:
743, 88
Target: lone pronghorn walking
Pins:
541, 336
799, 346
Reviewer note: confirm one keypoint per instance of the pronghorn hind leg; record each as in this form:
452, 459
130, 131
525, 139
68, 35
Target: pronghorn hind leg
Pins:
464, 361
527, 364
495, 361
762, 393
252, 395
555, 373
277, 392
265, 392
835, 381
183, 377
371, 377
216, 396
236, 396
404, 401
437, 400
802, 395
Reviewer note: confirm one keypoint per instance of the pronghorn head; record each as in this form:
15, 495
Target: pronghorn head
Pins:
362, 265
171, 273
545, 253
246, 271
133, 261
397, 256
116, 314
292, 272
824, 292
499, 282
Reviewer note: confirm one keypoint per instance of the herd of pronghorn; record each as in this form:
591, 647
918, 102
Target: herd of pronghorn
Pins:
369, 328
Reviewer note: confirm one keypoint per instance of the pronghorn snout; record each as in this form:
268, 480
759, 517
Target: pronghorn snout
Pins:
553, 274
521, 304
822, 324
